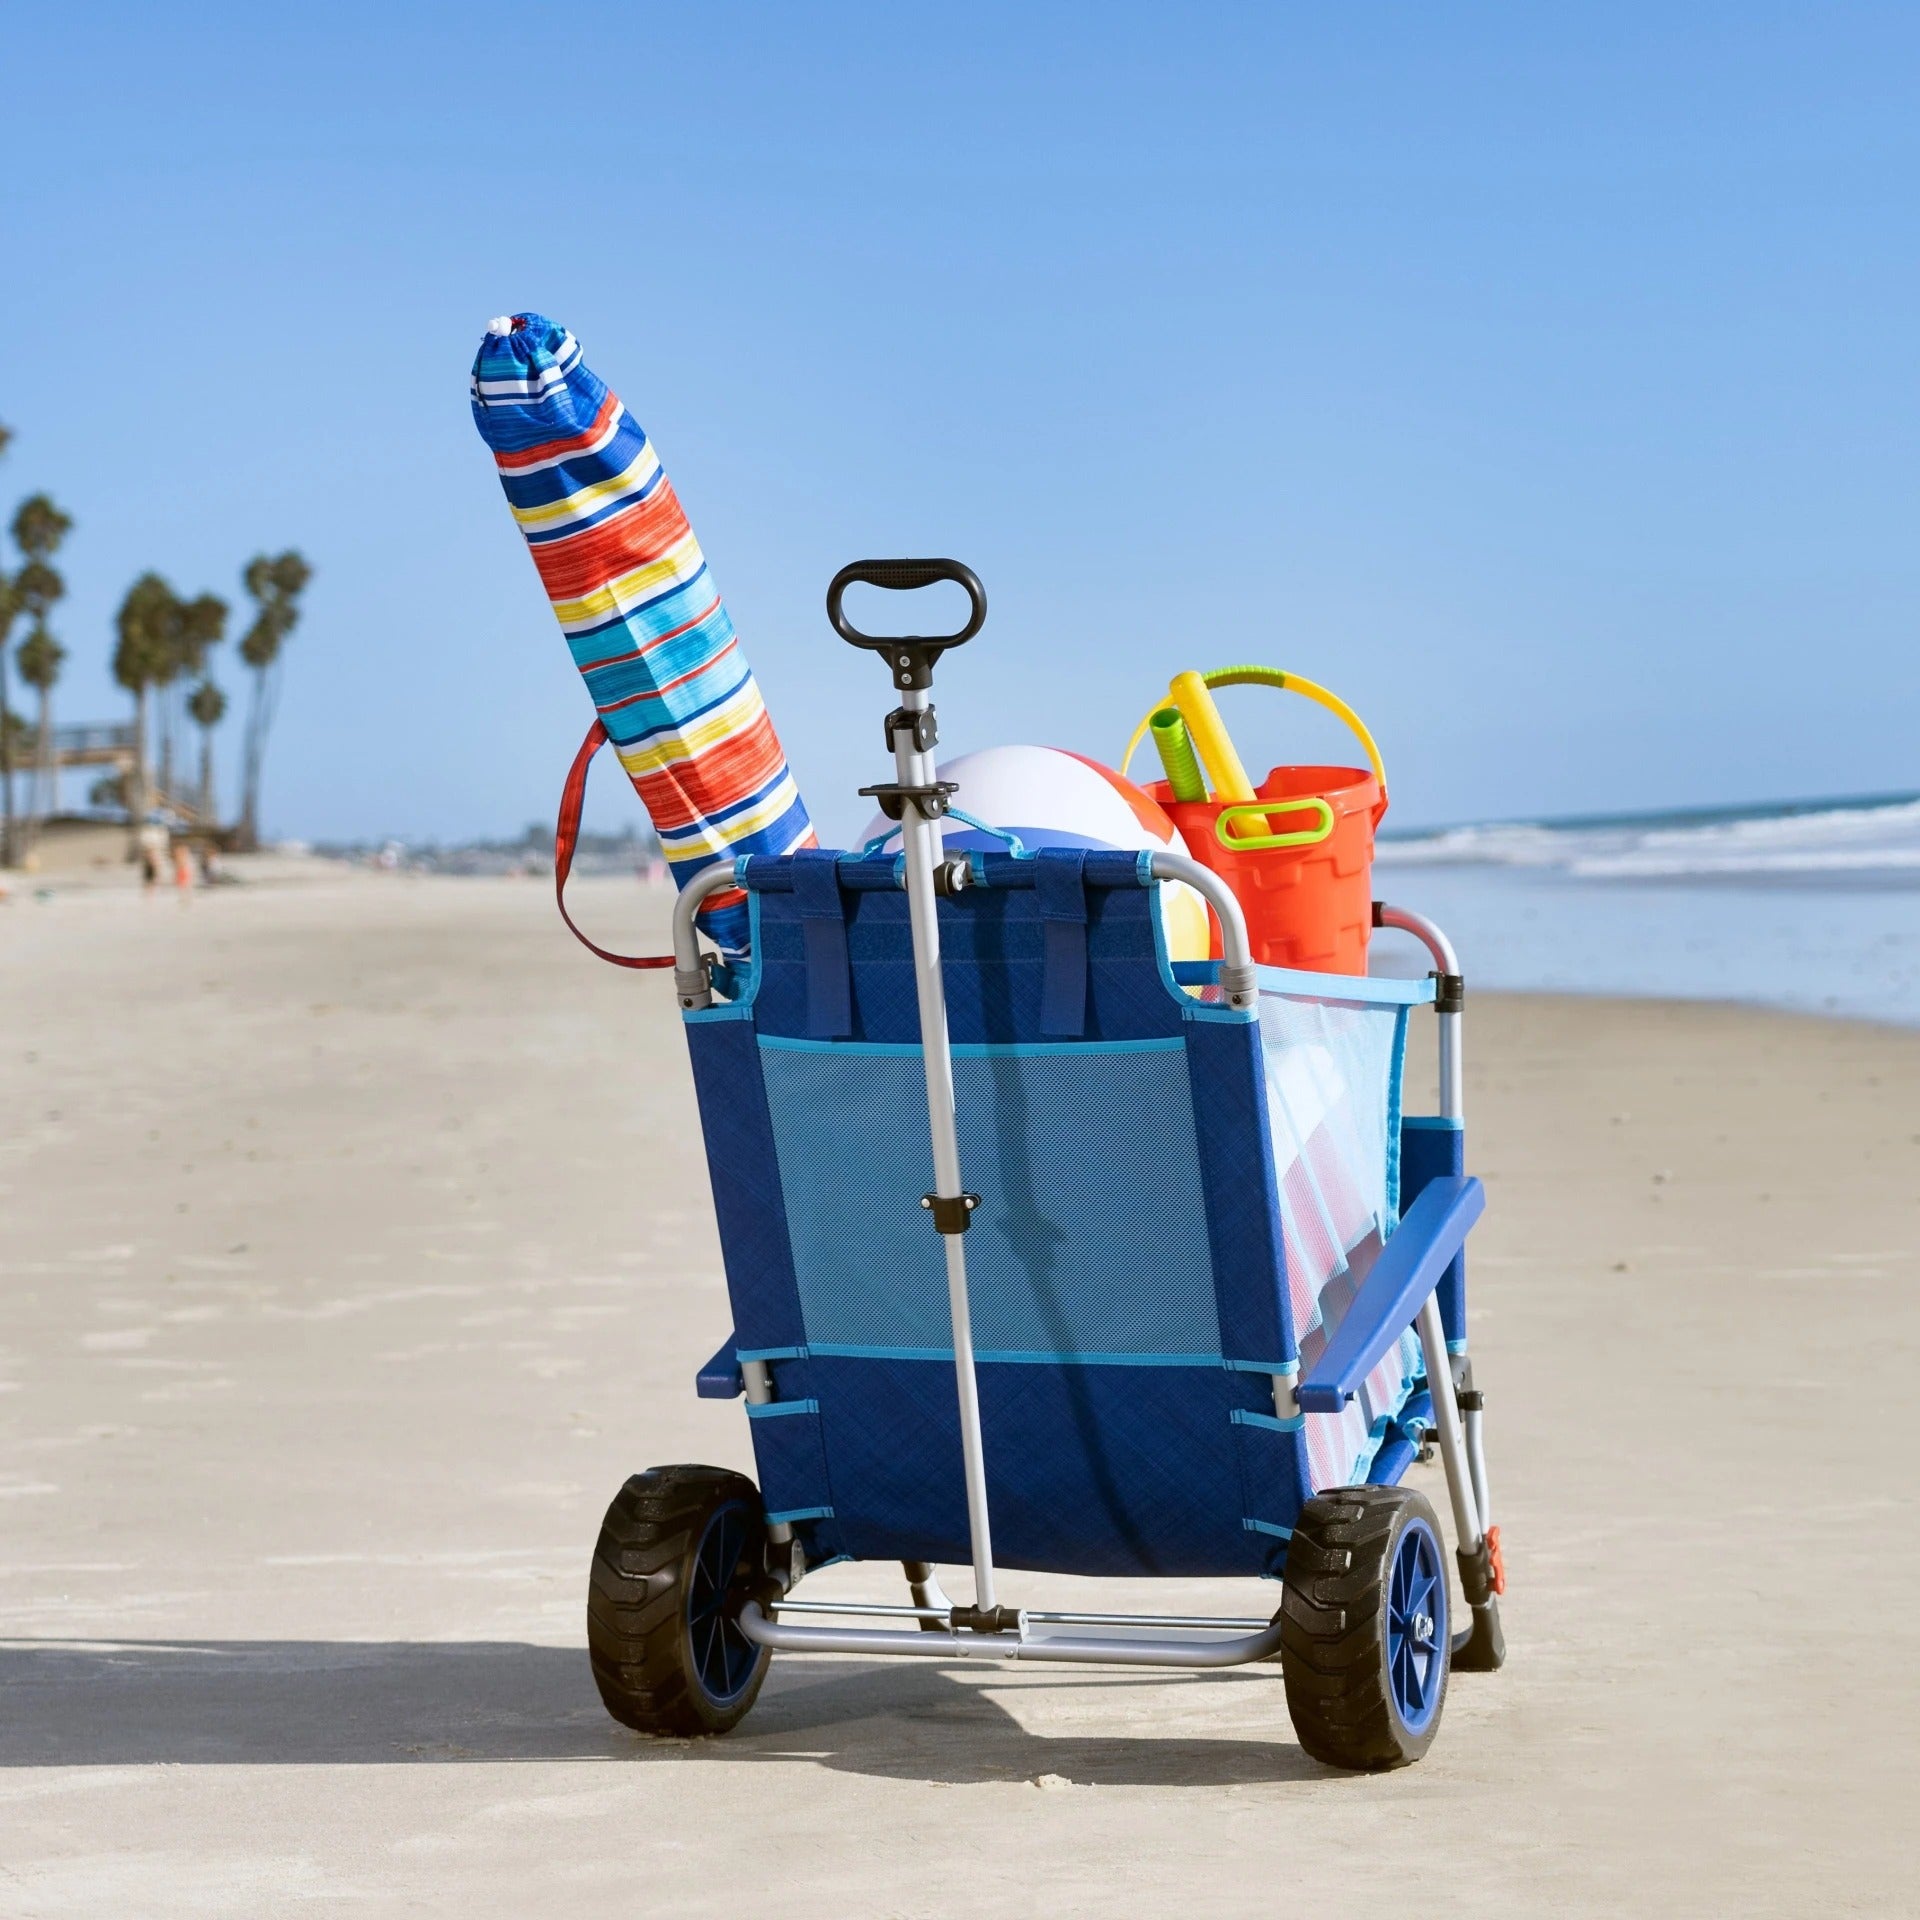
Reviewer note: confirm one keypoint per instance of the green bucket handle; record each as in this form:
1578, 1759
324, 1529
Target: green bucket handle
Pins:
1265, 842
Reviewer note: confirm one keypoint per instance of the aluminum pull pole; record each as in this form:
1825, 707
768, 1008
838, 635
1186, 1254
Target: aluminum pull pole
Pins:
917, 801
920, 840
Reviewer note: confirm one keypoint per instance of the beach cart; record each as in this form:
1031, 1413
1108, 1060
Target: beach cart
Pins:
1046, 1254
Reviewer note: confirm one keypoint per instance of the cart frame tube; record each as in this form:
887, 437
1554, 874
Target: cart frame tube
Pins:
1458, 1435
1130, 1650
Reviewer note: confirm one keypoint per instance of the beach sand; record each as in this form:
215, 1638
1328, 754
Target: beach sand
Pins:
357, 1246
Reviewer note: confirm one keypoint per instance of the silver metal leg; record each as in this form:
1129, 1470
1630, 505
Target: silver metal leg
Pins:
924, 1584
1447, 1429
1482, 1647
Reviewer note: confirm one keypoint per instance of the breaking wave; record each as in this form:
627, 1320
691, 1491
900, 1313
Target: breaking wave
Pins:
1863, 842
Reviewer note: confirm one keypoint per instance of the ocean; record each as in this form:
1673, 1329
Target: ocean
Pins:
1812, 905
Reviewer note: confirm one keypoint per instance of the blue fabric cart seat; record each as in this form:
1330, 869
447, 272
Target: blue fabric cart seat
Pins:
1127, 1264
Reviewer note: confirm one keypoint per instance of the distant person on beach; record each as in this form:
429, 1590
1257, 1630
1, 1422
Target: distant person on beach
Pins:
153, 849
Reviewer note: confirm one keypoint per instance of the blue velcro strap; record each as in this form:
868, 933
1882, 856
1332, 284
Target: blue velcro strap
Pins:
823, 922
1060, 880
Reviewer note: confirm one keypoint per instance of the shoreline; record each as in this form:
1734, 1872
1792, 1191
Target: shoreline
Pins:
647, 908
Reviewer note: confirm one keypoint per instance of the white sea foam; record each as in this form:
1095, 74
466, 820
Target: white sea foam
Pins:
1853, 842
1816, 906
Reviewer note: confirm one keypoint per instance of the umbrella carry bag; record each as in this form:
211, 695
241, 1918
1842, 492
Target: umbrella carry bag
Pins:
1297, 849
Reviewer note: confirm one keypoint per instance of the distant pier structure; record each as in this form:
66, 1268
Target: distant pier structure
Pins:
114, 744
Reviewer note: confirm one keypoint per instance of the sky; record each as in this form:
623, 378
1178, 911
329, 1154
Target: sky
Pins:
1539, 378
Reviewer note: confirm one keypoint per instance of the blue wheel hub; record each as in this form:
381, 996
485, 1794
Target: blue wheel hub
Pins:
1416, 1626
723, 1657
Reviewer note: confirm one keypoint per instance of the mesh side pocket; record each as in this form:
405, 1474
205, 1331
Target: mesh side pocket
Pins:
1333, 1108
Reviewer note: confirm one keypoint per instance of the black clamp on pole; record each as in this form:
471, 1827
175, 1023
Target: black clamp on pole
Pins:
894, 799
984, 1619
951, 1216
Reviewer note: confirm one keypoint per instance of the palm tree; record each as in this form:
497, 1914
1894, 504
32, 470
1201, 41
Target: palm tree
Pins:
202, 624
9, 612
40, 660
208, 706
147, 625
276, 584
38, 529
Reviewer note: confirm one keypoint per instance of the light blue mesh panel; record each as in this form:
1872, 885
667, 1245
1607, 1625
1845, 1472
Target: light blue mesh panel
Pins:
1333, 1108
1091, 1240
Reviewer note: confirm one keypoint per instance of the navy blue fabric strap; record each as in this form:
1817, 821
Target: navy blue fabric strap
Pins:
1060, 879
816, 884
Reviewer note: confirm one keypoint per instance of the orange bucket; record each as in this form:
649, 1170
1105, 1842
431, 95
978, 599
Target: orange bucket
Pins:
1299, 858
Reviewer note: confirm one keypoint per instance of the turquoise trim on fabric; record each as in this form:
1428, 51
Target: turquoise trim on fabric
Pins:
1261, 1366
744, 1354
1262, 1526
742, 971
1357, 989
1160, 957
773, 1409
1290, 985
1433, 1123
1198, 1010
1456, 1346
1268, 1422
970, 1049
792, 1516
1014, 1357
1208, 975
704, 1016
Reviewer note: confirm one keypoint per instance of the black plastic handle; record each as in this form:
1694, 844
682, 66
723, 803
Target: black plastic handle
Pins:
901, 576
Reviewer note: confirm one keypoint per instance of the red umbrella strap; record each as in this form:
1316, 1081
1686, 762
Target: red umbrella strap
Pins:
567, 834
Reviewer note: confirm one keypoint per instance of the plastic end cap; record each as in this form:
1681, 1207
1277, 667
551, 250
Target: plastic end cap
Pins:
503, 324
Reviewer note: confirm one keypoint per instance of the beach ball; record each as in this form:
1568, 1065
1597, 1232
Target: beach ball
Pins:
1053, 798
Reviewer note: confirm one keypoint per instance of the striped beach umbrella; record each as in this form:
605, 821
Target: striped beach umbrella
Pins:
634, 597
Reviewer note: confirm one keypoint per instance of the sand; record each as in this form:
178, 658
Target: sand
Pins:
357, 1246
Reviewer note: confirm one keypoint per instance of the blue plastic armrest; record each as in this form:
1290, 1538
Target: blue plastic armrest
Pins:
1409, 1267
721, 1378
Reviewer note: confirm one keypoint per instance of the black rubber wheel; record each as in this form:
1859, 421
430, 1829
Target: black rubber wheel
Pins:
1364, 1646
679, 1550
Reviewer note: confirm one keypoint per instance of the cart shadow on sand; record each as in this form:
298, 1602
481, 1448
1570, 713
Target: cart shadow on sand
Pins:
96, 1703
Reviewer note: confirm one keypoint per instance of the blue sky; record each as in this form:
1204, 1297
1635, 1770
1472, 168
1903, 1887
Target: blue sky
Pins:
1542, 379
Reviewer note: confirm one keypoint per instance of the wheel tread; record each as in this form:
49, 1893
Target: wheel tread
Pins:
1332, 1625
635, 1639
